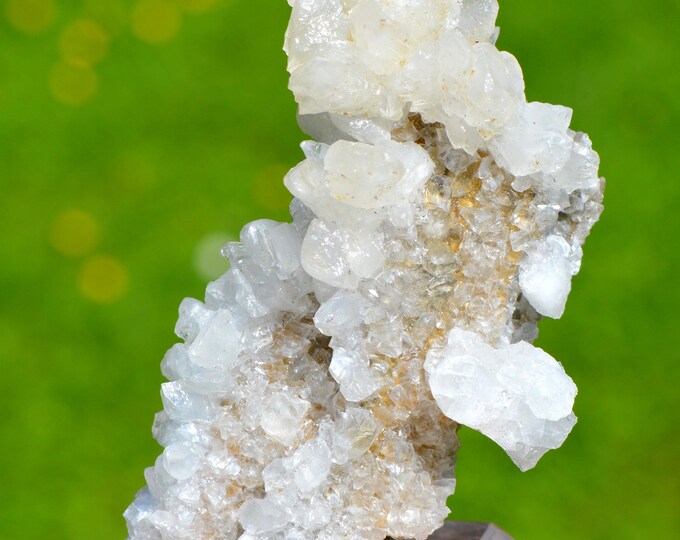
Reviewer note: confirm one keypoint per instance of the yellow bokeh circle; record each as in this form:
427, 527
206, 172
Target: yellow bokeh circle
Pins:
110, 14
103, 279
84, 42
197, 6
31, 16
156, 21
73, 83
74, 233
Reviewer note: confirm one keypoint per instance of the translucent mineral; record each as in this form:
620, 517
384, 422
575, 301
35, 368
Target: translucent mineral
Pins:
437, 217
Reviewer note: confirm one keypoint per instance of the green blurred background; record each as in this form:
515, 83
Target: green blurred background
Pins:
138, 135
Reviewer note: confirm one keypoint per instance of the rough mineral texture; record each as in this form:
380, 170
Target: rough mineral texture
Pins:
436, 218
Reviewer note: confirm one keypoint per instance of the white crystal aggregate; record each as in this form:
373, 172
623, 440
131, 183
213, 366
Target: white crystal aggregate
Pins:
436, 218
519, 395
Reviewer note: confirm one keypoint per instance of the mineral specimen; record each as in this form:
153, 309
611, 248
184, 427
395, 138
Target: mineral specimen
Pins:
438, 216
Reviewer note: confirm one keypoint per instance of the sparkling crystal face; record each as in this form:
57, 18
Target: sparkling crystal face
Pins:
437, 217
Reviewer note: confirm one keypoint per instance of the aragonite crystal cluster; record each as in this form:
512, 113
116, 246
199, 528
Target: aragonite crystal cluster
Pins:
437, 217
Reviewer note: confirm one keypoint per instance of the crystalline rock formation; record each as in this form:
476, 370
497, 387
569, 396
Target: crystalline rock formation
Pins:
438, 216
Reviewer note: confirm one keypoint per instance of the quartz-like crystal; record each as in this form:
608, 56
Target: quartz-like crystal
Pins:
437, 217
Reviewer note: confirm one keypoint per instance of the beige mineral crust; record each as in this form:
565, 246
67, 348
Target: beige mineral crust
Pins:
437, 217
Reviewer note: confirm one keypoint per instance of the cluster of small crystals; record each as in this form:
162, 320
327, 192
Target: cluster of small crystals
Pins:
437, 217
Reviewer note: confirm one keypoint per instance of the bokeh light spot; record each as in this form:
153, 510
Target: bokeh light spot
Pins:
197, 6
156, 21
103, 279
208, 260
110, 14
73, 83
31, 16
268, 188
84, 42
74, 233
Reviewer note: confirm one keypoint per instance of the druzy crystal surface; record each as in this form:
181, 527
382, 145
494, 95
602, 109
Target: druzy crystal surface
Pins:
437, 217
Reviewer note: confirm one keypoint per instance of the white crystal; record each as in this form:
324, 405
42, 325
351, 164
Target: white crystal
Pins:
275, 246
312, 465
351, 369
342, 312
478, 19
537, 140
183, 405
381, 41
180, 461
495, 90
324, 256
545, 276
218, 342
356, 431
260, 516
373, 176
519, 395
282, 416
192, 315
